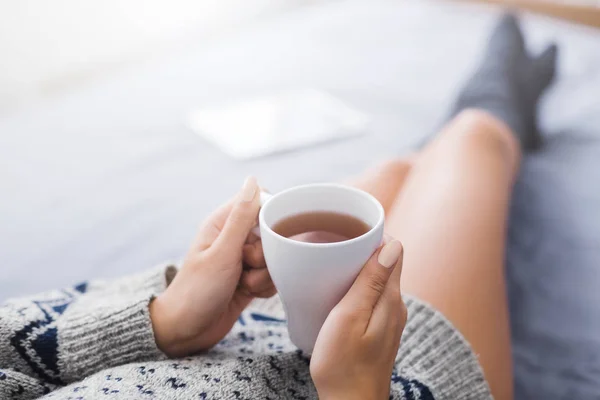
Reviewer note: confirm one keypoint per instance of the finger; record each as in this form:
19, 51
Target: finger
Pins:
241, 219
394, 281
373, 278
212, 226
385, 328
256, 281
389, 316
252, 237
253, 255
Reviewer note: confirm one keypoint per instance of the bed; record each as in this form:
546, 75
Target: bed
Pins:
108, 179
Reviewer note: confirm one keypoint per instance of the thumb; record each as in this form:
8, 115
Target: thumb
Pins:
372, 280
242, 217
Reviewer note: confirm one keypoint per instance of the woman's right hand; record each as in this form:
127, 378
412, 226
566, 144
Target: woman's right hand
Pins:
356, 348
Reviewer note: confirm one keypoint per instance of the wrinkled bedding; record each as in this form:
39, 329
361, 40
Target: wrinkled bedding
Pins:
108, 180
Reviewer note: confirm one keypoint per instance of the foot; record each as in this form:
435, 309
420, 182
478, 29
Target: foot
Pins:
509, 82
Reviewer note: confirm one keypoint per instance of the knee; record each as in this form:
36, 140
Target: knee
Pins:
478, 128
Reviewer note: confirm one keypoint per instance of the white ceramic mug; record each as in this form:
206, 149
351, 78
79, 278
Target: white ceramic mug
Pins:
312, 278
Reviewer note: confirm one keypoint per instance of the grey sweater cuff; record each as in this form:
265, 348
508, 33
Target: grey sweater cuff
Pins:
110, 325
434, 352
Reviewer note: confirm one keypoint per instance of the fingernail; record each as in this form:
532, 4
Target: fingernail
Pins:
389, 255
249, 189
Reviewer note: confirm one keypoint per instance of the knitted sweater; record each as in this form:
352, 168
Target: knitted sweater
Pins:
95, 341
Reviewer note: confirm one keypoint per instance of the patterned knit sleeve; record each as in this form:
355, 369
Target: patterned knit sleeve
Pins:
62, 336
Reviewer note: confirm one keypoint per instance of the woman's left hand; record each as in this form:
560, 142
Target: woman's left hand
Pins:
223, 271
355, 351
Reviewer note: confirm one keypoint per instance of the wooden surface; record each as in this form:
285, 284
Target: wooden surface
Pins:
587, 15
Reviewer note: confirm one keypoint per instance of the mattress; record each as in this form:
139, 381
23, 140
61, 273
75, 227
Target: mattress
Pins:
108, 180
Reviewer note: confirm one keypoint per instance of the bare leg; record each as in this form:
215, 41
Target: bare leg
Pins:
449, 207
451, 217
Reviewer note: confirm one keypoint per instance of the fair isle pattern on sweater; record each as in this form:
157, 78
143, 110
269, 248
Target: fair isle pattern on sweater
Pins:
37, 342
95, 341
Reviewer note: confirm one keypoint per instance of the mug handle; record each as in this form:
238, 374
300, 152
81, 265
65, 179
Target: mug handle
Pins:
264, 197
